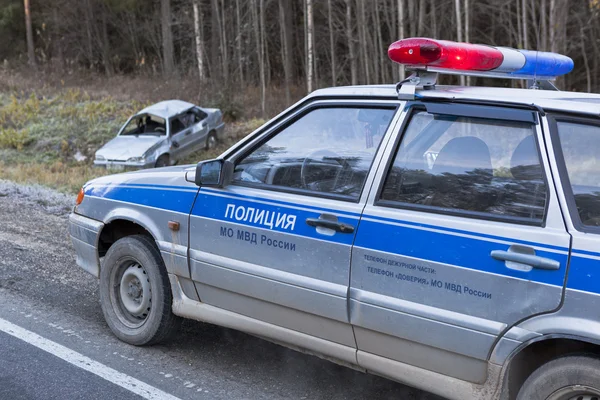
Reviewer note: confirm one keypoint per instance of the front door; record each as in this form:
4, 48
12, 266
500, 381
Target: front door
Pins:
461, 238
275, 244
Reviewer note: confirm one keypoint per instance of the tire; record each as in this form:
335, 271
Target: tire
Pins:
138, 312
565, 378
162, 161
211, 141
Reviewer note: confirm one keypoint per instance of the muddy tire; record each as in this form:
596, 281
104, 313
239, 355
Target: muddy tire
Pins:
565, 378
135, 293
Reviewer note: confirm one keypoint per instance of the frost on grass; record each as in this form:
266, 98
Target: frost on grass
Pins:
51, 201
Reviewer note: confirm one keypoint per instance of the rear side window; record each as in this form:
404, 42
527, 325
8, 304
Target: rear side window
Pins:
462, 165
580, 144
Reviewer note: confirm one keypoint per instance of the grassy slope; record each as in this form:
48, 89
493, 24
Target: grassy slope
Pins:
41, 133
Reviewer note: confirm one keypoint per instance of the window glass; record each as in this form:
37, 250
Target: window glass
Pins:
327, 150
581, 149
145, 125
468, 164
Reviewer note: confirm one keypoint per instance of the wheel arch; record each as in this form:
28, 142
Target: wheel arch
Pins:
530, 355
122, 224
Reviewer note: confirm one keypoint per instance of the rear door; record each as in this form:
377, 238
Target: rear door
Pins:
181, 135
461, 238
576, 143
275, 244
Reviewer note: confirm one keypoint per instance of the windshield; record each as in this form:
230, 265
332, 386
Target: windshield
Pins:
145, 124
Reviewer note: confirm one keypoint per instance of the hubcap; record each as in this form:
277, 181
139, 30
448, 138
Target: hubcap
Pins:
576, 392
135, 293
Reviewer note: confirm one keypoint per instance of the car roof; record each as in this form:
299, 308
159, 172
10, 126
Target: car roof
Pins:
577, 102
168, 108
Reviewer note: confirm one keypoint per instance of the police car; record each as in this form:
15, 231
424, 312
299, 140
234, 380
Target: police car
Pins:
445, 237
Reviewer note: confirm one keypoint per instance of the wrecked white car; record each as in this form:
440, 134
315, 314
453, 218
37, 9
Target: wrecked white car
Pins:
162, 134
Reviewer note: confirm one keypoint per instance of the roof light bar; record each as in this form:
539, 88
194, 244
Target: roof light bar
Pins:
479, 60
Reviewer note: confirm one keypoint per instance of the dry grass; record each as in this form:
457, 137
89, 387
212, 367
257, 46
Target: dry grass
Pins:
45, 119
68, 177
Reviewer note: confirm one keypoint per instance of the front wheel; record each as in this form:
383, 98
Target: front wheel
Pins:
163, 161
135, 294
566, 378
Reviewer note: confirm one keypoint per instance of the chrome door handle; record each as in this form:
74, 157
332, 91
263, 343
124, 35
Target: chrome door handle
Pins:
527, 259
329, 224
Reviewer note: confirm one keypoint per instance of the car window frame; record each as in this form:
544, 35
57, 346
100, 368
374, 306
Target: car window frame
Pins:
463, 110
171, 134
563, 174
272, 130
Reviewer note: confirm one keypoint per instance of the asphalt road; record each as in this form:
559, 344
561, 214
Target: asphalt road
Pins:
44, 292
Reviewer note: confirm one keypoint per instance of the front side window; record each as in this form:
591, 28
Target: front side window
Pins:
327, 150
580, 144
145, 125
457, 164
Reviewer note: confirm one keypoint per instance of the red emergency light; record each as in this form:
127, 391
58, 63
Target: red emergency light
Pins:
445, 54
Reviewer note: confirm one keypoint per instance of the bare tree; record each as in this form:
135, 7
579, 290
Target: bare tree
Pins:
331, 44
167, 37
350, 39
29, 33
286, 59
309, 46
401, 32
198, 39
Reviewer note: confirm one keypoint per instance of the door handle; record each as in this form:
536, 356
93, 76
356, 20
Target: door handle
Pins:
187, 133
527, 259
329, 224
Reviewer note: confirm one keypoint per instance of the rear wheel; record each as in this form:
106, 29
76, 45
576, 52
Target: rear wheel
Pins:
163, 161
566, 378
135, 294
211, 140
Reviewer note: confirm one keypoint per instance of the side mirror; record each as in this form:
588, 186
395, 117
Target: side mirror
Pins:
214, 173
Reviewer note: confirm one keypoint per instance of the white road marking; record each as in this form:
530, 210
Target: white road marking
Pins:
79, 360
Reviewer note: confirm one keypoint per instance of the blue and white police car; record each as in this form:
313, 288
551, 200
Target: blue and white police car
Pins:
446, 237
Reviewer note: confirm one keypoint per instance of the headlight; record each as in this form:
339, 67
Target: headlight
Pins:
135, 159
100, 158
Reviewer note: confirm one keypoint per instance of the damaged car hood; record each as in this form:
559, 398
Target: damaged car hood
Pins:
124, 147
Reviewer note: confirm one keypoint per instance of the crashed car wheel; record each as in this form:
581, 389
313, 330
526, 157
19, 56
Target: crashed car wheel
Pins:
163, 161
211, 141
135, 294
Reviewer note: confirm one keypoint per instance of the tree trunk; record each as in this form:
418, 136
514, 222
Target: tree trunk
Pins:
309, 46
284, 8
29, 33
108, 67
349, 36
401, 33
238, 42
459, 28
362, 40
525, 28
224, 46
198, 38
261, 64
331, 44
167, 37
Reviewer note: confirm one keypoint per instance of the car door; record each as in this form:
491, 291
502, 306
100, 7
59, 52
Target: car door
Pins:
199, 129
461, 238
275, 244
576, 144
181, 130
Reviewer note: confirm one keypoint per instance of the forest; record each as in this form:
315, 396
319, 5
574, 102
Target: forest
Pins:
292, 46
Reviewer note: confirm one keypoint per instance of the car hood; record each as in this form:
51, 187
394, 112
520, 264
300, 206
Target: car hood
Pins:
123, 147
